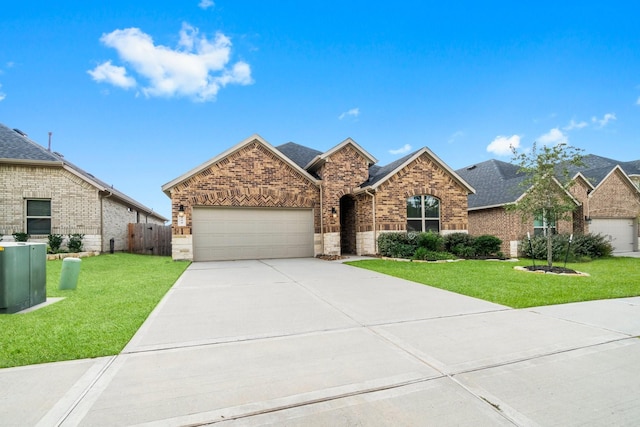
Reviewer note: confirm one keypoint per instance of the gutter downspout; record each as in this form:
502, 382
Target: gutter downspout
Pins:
321, 221
373, 211
102, 219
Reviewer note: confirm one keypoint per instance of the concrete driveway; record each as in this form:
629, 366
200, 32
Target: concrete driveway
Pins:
310, 342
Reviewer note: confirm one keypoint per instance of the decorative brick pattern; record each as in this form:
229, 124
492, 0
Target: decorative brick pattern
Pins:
421, 177
614, 198
253, 176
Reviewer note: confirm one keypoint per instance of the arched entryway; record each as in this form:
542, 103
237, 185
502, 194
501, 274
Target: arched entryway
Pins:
347, 225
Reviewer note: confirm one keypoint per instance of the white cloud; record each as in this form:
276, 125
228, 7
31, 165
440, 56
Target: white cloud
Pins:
553, 137
638, 101
354, 112
404, 149
575, 125
205, 4
108, 73
605, 119
2, 94
197, 68
502, 145
455, 136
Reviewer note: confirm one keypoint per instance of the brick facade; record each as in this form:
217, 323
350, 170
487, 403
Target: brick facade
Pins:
76, 206
615, 197
253, 175
423, 176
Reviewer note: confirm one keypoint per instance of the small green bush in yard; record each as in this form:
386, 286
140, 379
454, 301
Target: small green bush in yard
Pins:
20, 237
486, 245
55, 241
425, 254
397, 245
583, 247
430, 241
75, 243
457, 241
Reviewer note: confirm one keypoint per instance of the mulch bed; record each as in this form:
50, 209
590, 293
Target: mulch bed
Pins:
542, 269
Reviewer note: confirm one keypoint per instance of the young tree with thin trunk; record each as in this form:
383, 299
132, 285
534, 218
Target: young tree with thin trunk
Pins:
547, 183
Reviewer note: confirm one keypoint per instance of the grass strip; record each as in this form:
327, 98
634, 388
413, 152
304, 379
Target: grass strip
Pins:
498, 281
115, 294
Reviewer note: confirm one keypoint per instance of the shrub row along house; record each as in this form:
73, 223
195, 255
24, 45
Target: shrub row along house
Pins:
259, 201
42, 193
606, 193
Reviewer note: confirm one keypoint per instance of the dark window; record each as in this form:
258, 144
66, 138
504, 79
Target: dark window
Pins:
423, 214
38, 217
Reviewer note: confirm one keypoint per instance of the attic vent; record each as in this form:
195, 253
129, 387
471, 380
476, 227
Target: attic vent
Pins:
470, 168
18, 131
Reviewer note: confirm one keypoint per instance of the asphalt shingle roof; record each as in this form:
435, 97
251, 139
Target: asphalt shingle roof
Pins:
498, 183
16, 146
495, 182
302, 155
299, 154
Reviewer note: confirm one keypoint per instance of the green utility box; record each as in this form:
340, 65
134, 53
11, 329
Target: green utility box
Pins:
70, 273
23, 275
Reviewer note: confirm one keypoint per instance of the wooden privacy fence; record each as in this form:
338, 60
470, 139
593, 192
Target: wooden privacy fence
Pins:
150, 239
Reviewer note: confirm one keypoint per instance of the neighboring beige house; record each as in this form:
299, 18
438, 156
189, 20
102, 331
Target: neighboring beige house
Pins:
606, 193
42, 193
259, 201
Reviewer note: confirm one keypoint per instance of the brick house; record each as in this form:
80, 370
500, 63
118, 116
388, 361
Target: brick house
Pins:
42, 193
606, 193
259, 201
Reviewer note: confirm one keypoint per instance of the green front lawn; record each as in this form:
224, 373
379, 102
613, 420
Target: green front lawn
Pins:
115, 294
498, 282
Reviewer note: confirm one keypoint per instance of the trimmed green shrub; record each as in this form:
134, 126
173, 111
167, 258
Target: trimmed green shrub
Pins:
397, 245
591, 245
20, 237
431, 241
425, 254
55, 241
486, 245
583, 248
457, 240
75, 242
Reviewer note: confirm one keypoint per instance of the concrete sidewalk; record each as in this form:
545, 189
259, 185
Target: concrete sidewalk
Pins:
311, 342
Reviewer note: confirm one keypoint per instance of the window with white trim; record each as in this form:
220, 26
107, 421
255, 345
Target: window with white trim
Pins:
38, 217
541, 225
423, 213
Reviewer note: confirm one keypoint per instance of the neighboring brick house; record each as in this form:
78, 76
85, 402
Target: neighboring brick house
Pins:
42, 193
259, 201
607, 202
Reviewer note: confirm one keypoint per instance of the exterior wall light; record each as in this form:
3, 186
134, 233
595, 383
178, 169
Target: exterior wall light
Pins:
181, 210
334, 212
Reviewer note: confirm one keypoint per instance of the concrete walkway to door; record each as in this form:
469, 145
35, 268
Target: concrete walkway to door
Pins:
304, 342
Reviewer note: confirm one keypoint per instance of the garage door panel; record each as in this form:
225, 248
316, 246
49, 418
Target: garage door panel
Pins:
247, 233
620, 232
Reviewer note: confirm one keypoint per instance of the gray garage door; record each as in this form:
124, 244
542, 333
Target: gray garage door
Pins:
621, 232
249, 233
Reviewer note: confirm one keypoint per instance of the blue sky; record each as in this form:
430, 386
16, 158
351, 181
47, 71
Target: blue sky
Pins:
138, 93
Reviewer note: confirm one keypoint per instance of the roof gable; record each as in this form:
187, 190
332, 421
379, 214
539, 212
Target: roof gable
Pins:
315, 163
625, 178
382, 174
220, 157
